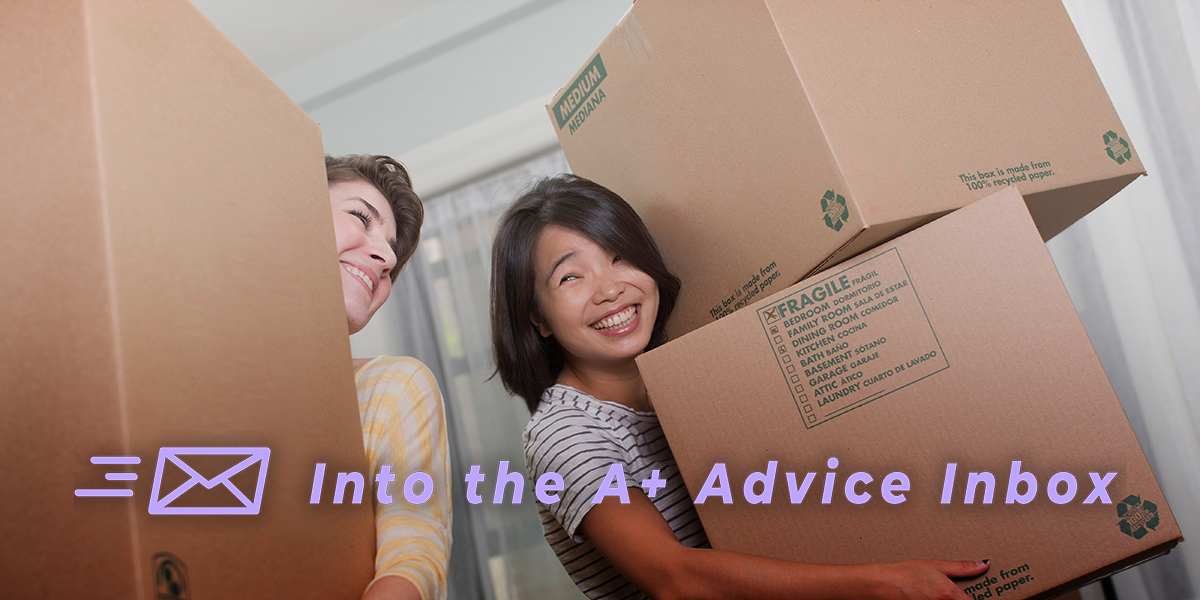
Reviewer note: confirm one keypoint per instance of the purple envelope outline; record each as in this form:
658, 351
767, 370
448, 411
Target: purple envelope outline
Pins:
159, 506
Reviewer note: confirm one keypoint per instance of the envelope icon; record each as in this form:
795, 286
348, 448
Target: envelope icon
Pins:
161, 505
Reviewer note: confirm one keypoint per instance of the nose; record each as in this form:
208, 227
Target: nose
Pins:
382, 253
608, 286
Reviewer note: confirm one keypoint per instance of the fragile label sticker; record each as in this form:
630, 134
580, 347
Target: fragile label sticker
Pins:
852, 337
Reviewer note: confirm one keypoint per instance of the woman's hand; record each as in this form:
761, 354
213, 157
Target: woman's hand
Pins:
924, 579
637, 541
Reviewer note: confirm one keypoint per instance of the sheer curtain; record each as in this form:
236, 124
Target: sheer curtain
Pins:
439, 314
1133, 266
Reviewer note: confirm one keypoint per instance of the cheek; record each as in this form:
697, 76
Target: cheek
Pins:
651, 300
344, 234
558, 311
649, 286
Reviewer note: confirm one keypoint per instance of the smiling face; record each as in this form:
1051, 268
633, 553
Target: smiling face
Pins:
599, 307
365, 230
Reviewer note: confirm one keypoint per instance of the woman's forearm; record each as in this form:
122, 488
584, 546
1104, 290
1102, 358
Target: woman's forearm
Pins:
639, 543
705, 573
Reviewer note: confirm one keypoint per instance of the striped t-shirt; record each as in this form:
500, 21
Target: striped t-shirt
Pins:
580, 438
404, 427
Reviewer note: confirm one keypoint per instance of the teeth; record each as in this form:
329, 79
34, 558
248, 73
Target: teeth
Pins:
618, 320
359, 274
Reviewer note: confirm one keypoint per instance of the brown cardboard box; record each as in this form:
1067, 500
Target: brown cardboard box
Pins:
168, 280
955, 344
799, 133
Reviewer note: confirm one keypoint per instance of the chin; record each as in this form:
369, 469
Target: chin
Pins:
358, 311
356, 319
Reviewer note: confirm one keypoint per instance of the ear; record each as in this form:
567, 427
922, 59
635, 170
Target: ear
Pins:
542, 328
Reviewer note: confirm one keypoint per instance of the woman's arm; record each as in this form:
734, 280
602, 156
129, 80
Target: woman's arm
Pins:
404, 426
637, 541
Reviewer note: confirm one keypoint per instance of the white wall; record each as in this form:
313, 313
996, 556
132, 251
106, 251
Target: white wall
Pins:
445, 68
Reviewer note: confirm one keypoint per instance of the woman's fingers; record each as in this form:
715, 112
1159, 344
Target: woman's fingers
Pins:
962, 568
931, 579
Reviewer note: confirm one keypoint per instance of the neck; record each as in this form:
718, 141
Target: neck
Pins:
620, 383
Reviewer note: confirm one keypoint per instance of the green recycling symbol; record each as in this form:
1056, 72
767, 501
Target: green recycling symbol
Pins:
1137, 516
1118, 148
834, 207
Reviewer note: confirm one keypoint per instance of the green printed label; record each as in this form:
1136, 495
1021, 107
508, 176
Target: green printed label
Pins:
1138, 517
998, 581
1118, 148
835, 210
1005, 176
852, 338
579, 96
743, 295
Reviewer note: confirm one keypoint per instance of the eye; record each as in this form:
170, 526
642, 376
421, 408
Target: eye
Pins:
616, 258
566, 278
362, 216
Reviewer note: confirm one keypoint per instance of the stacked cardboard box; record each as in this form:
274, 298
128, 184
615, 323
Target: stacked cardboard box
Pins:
934, 395
169, 280
950, 368
802, 133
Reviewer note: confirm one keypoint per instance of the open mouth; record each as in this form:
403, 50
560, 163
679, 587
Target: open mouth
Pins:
616, 321
351, 269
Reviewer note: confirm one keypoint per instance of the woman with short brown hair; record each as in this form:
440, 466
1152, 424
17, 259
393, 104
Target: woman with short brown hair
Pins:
377, 223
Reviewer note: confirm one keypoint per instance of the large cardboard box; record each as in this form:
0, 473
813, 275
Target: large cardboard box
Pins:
799, 133
168, 280
950, 352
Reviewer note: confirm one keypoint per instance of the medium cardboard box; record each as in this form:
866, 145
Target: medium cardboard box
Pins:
950, 352
169, 280
788, 136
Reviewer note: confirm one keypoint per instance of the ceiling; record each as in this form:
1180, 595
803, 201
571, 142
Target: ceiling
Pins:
279, 35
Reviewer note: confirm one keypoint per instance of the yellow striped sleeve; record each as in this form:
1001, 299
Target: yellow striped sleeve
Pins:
404, 428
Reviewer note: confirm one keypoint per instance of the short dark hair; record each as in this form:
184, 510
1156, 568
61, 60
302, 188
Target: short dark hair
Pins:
392, 180
527, 363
